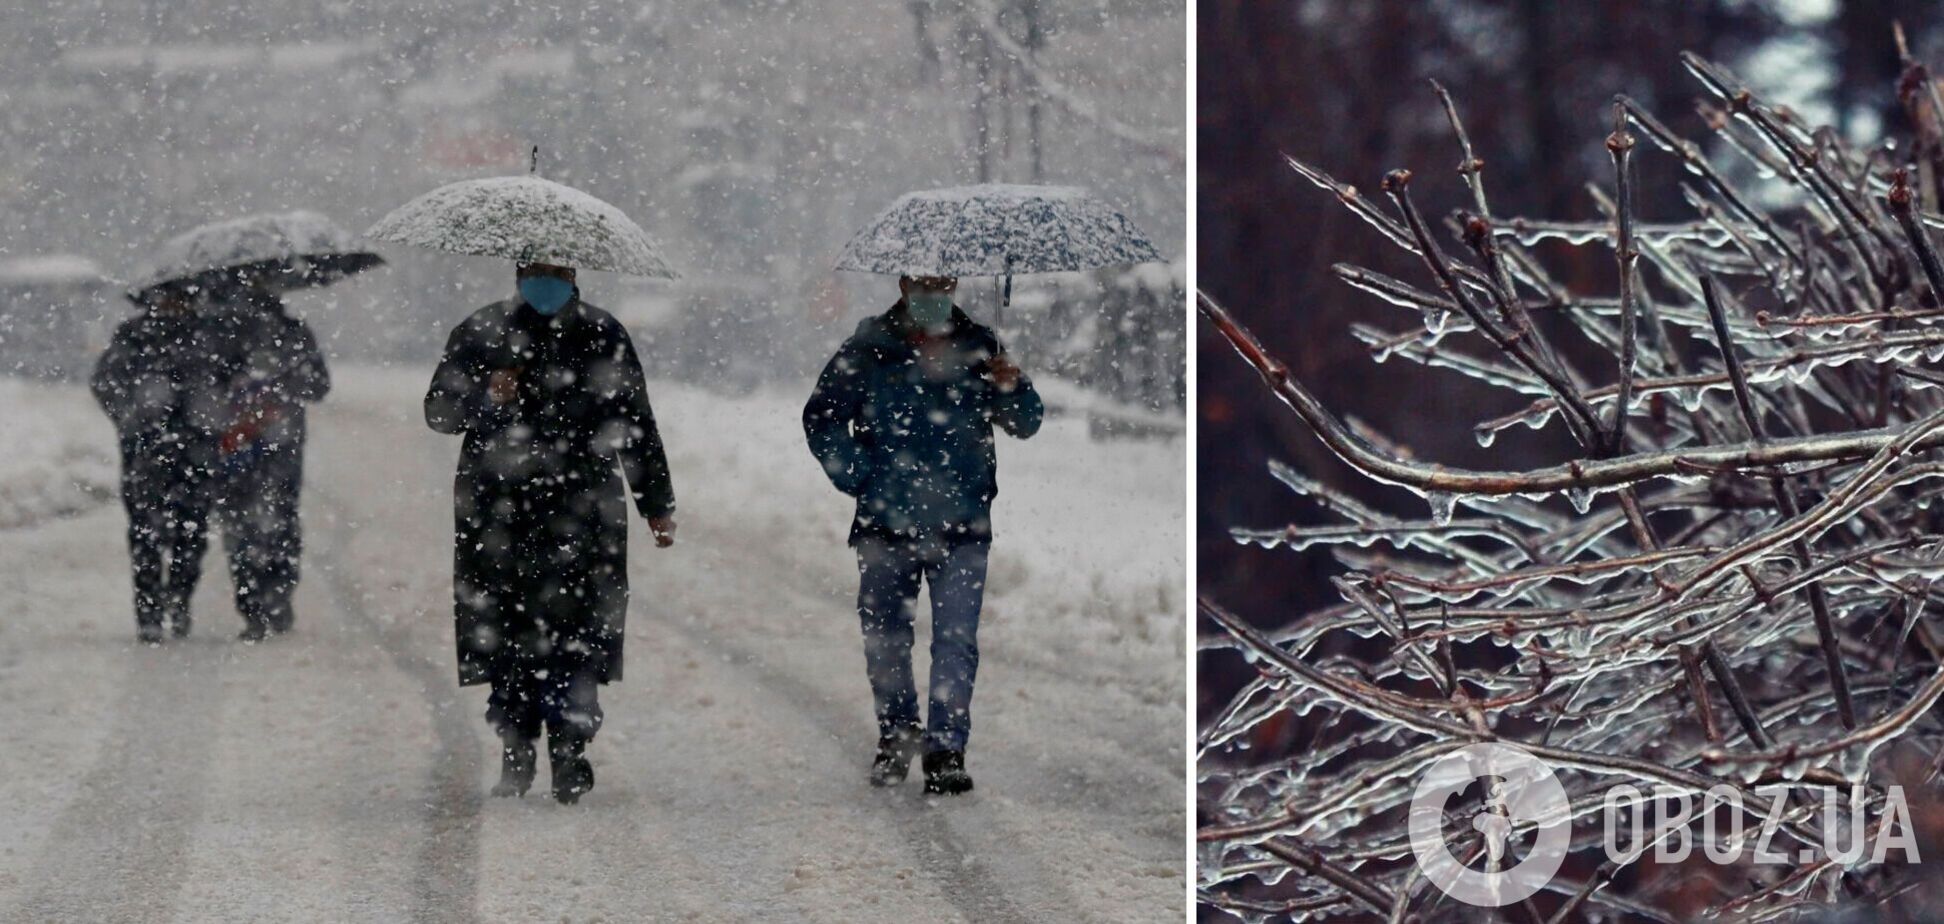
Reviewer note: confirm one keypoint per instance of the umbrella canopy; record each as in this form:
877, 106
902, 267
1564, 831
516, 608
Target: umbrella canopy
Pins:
526, 219
996, 230
286, 250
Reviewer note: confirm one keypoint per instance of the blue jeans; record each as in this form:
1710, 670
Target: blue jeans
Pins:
889, 574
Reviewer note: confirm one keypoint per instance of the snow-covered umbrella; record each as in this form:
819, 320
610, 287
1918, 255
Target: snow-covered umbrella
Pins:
996, 229
284, 250
526, 219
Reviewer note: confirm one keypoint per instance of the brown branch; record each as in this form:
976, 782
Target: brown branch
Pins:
1785, 499
1306, 858
1620, 146
1587, 474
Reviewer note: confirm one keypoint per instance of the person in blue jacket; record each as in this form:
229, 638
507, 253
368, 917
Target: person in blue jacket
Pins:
902, 420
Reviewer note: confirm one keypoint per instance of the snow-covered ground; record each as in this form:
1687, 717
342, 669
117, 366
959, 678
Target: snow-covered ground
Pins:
57, 453
339, 774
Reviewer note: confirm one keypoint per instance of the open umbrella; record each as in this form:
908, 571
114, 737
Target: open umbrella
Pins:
526, 219
285, 250
996, 229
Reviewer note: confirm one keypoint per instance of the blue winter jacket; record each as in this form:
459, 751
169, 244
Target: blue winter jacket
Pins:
903, 423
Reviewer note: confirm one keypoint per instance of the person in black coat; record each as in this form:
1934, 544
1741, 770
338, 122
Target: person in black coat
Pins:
276, 370
549, 394
164, 390
901, 419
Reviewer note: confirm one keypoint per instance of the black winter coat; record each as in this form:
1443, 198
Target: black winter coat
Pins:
904, 424
540, 518
165, 384
274, 368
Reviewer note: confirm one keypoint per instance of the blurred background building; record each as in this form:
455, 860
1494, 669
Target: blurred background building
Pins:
751, 136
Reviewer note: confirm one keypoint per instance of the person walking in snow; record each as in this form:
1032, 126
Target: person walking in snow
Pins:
163, 390
901, 419
549, 394
277, 369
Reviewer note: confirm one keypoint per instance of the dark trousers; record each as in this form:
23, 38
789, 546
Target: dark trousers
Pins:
889, 575
168, 531
557, 692
257, 510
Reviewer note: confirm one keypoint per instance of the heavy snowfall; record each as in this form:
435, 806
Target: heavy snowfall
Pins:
339, 771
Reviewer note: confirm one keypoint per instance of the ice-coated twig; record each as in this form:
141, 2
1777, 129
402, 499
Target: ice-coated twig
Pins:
1588, 474
1785, 501
1752, 521
1517, 342
1620, 146
1889, 726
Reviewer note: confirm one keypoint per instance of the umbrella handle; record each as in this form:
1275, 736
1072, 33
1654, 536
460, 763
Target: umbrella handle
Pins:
1005, 300
1009, 265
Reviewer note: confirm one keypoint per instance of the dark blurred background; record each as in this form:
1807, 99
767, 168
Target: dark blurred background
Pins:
1342, 84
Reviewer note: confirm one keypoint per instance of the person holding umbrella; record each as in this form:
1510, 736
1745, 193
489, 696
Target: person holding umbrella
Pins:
163, 390
902, 419
268, 366
549, 394
260, 461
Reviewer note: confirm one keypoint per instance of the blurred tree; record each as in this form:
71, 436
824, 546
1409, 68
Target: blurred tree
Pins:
928, 62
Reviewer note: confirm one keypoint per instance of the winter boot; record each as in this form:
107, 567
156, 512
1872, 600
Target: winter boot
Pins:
253, 632
281, 619
518, 764
894, 755
945, 774
573, 776
149, 633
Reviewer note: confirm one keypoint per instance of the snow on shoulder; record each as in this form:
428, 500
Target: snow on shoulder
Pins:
529, 220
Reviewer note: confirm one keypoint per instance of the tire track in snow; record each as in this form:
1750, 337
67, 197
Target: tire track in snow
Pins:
973, 886
447, 874
118, 852
634, 830
969, 885
1127, 729
966, 882
985, 824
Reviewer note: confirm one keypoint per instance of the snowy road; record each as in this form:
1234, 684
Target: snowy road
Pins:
339, 774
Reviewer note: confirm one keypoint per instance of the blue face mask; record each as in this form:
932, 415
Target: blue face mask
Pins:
547, 294
930, 310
